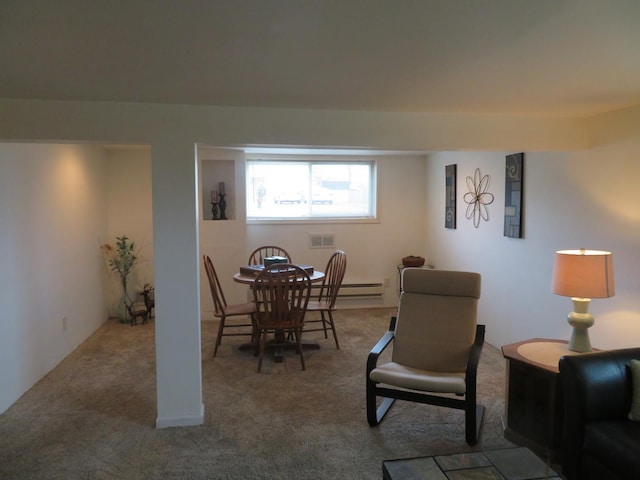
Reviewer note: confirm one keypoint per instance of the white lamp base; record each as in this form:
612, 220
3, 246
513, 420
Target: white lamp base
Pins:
580, 319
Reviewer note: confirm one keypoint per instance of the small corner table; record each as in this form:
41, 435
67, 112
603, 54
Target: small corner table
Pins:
533, 395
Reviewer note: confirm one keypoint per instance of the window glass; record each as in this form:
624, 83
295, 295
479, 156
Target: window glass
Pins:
310, 189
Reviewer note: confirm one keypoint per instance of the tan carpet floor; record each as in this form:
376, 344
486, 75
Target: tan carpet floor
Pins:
93, 416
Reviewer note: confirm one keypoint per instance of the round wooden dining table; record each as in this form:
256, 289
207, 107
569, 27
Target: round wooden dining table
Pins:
316, 276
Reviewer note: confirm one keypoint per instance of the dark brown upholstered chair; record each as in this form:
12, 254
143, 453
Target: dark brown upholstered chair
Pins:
258, 255
222, 310
281, 294
325, 304
436, 347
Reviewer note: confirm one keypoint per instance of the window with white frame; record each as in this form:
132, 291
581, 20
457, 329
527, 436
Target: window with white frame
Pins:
310, 189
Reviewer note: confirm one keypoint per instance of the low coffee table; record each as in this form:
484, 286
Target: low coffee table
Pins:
518, 463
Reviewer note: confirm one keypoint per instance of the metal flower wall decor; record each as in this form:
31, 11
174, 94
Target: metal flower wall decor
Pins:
477, 198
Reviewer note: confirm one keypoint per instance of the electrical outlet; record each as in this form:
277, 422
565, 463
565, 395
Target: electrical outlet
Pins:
64, 324
387, 282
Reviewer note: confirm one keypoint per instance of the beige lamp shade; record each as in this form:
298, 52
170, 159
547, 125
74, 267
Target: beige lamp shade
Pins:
583, 274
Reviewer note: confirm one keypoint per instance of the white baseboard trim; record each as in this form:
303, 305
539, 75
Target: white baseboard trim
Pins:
188, 421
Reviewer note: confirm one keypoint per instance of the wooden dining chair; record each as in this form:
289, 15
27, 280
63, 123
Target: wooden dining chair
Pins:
281, 295
258, 255
222, 310
325, 303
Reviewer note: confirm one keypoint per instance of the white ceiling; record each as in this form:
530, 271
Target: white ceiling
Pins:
551, 57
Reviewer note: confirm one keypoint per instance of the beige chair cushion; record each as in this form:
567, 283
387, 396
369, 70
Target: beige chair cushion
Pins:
436, 323
441, 282
393, 373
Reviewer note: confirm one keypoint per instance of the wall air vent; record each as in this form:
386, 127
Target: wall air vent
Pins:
321, 240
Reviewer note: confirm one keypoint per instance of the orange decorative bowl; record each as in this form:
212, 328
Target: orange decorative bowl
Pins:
412, 261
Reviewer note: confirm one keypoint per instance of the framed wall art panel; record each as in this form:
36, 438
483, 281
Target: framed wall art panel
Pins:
513, 198
450, 197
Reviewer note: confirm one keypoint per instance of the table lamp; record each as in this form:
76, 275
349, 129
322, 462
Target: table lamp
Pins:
582, 275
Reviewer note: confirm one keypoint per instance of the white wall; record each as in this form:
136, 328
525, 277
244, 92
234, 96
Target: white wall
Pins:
518, 278
224, 241
52, 209
129, 213
174, 130
401, 189
573, 200
373, 249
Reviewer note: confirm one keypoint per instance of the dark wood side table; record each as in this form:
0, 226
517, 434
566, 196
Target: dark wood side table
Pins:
534, 403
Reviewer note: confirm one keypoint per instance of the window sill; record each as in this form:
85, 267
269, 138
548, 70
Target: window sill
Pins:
310, 221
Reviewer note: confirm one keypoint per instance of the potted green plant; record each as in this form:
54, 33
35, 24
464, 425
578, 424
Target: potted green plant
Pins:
122, 259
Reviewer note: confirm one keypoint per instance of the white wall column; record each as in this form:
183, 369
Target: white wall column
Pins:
176, 251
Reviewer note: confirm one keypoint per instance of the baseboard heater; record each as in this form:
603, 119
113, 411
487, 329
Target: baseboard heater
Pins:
359, 290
